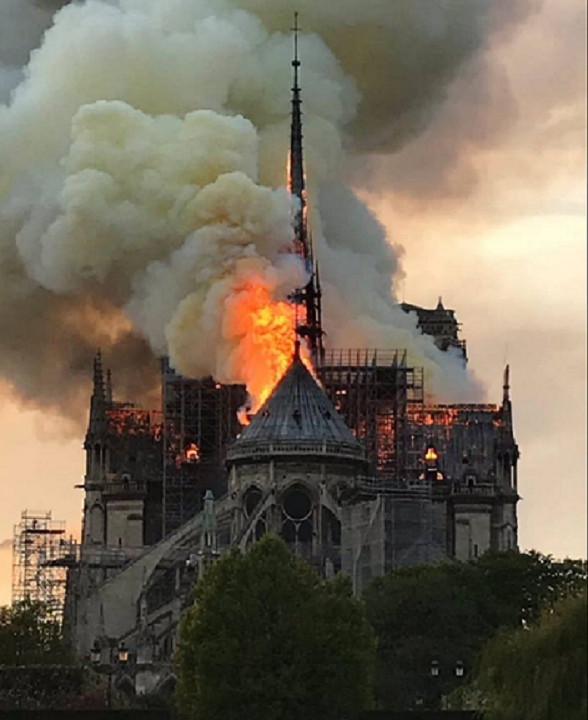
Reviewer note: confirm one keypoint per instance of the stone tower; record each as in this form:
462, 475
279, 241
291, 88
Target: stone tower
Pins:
123, 472
95, 445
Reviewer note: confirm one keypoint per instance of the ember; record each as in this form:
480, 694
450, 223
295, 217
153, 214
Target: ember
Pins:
192, 453
432, 455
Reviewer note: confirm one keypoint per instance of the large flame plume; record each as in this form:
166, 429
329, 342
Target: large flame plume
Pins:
268, 329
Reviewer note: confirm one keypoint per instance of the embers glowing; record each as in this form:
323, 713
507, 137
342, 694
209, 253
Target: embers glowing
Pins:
192, 454
431, 455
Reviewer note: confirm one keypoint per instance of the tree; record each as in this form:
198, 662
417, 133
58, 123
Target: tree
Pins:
28, 636
539, 672
446, 614
267, 639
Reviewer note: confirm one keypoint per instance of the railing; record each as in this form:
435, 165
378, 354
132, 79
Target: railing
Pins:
373, 486
486, 490
124, 487
255, 449
357, 358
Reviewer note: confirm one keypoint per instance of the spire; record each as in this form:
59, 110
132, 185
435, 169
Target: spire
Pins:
506, 386
506, 411
98, 401
309, 297
98, 377
297, 177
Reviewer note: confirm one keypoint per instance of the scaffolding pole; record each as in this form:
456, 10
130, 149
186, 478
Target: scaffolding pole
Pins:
38, 571
200, 422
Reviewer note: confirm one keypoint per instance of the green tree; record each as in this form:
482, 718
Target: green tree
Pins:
267, 639
446, 614
28, 636
539, 672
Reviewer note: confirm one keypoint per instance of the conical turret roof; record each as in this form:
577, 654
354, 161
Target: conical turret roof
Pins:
297, 418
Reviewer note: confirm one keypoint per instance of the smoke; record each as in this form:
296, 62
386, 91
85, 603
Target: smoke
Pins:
22, 24
142, 164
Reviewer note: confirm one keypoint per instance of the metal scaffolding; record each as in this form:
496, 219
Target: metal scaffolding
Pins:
39, 571
200, 421
377, 394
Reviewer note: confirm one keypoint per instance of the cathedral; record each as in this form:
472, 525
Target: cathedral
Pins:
346, 461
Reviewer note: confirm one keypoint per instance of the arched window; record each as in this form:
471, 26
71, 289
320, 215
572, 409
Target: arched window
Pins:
297, 507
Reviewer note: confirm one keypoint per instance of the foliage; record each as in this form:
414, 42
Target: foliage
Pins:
539, 672
267, 639
447, 613
28, 636
48, 687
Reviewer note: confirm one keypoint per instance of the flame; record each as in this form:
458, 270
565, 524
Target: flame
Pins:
192, 453
431, 455
268, 330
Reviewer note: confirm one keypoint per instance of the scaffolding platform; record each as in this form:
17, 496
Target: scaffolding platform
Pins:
40, 552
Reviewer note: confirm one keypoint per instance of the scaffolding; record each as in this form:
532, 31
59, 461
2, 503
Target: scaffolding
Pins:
40, 551
200, 422
378, 393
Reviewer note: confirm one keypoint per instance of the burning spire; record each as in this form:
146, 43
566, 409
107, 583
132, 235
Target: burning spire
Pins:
309, 297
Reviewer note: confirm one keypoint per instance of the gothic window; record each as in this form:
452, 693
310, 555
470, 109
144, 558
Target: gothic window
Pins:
471, 480
297, 525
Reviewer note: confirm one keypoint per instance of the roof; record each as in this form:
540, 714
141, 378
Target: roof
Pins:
298, 418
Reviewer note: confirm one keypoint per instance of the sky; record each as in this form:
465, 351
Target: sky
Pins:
489, 204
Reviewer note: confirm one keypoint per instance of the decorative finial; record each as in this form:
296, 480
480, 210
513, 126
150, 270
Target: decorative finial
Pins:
506, 387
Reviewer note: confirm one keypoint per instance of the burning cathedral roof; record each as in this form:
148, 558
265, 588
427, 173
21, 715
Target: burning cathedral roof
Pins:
297, 417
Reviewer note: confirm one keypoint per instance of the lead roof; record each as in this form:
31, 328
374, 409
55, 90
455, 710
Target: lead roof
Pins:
298, 411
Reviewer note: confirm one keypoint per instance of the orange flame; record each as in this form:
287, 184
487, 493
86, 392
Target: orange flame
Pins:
268, 330
192, 453
431, 455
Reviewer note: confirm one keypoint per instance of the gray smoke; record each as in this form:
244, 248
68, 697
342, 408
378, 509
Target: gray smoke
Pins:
141, 161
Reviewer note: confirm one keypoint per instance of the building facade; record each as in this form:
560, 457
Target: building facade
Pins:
297, 471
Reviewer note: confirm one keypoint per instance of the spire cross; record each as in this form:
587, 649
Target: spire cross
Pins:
296, 31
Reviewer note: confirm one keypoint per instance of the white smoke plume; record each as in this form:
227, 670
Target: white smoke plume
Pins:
142, 165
